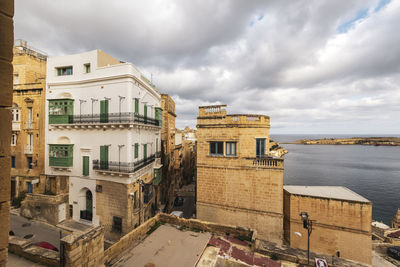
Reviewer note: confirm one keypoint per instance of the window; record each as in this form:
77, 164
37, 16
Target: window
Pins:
64, 71
30, 162
104, 110
145, 111
136, 150
15, 115
103, 157
16, 78
216, 148
13, 139
144, 151
260, 147
85, 166
60, 110
87, 67
117, 224
29, 187
12, 161
61, 155
230, 149
137, 105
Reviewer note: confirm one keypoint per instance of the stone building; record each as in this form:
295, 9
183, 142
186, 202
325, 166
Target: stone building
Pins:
341, 221
6, 81
27, 139
103, 132
237, 183
396, 220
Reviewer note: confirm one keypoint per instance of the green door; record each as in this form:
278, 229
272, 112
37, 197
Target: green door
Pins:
144, 151
104, 157
89, 205
104, 111
145, 111
136, 105
85, 166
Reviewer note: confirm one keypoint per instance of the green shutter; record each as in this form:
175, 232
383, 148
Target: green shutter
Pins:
145, 111
103, 157
136, 150
85, 169
137, 105
103, 110
144, 151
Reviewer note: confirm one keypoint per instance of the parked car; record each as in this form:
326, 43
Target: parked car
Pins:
178, 201
394, 252
46, 245
177, 213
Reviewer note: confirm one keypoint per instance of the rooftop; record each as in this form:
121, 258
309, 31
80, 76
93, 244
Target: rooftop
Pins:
332, 192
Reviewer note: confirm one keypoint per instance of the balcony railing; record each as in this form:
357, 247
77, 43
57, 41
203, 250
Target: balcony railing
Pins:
123, 117
266, 162
28, 149
29, 125
60, 162
124, 167
16, 126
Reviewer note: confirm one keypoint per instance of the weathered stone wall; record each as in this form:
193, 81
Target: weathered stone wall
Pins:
238, 190
84, 249
6, 80
396, 220
340, 226
44, 207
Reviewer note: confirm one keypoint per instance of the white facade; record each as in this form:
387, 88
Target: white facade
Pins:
122, 85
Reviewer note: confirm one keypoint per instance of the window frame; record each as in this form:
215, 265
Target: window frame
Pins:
13, 139
215, 143
63, 71
231, 145
261, 148
87, 68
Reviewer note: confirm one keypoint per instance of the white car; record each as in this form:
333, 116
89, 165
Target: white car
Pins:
177, 213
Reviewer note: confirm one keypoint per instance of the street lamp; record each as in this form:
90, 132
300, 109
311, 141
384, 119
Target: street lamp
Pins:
120, 99
93, 100
307, 224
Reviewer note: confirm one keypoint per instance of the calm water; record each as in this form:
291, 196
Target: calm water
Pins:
371, 171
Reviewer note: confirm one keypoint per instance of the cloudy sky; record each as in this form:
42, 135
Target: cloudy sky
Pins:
312, 66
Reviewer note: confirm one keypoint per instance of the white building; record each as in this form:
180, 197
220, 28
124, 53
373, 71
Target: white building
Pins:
103, 131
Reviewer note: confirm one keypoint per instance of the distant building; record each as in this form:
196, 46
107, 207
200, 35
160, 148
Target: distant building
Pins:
237, 183
28, 117
103, 122
341, 221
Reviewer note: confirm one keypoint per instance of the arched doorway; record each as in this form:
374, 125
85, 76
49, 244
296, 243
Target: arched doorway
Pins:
87, 212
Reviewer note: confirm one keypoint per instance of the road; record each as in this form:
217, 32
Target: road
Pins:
188, 207
40, 231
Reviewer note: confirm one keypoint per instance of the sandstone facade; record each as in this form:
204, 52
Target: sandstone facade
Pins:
396, 220
242, 188
341, 227
28, 118
6, 69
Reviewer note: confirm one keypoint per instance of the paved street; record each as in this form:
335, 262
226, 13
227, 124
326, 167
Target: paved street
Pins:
40, 231
187, 207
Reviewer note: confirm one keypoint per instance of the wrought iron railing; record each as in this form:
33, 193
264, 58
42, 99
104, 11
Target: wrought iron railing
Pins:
123, 117
125, 167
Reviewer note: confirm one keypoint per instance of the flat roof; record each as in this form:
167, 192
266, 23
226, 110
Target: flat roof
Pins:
332, 192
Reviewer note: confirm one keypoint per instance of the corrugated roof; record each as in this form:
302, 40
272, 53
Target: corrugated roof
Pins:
333, 192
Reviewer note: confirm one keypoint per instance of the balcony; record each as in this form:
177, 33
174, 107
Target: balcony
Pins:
60, 161
29, 125
28, 149
16, 126
122, 167
265, 162
97, 120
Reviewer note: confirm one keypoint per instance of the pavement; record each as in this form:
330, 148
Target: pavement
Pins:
167, 246
17, 261
40, 231
188, 207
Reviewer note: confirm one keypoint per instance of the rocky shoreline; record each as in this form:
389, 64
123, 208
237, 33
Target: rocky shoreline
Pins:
368, 141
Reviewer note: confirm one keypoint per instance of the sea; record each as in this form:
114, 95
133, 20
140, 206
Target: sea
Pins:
371, 171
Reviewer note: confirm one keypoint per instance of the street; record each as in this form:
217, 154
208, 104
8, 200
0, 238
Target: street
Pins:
23, 227
188, 207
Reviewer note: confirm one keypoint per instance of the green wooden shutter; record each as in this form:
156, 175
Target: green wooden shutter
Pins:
103, 110
144, 151
136, 150
137, 105
85, 168
103, 157
145, 111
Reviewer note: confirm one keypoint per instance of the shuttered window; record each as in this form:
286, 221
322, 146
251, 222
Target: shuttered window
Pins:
85, 166
104, 157
145, 111
136, 150
104, 111
137, 105
145, 151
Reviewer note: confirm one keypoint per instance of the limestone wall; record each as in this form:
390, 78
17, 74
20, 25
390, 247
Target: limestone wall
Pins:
84, 249
340, 226
6, 80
